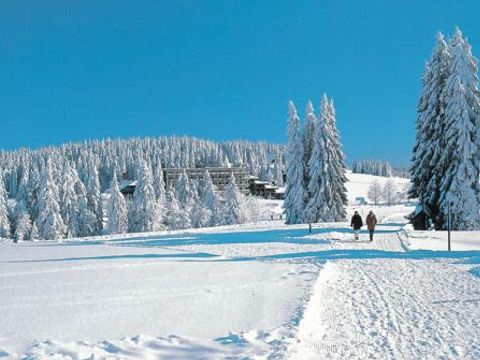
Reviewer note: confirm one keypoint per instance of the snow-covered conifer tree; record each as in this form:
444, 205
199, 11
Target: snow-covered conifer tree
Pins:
428, 166
176, 217
68, 201
336, 162
234, 211
49, 222
145, 215
186, 197
308, 134
159, 183
295, 194
117, 210
460, 186
22, 221
87, 220
212, 201
93, 193
326, 188
314, 210
34, 235
4, 222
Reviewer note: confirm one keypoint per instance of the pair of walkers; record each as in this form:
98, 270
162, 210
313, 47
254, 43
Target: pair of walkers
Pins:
357, 224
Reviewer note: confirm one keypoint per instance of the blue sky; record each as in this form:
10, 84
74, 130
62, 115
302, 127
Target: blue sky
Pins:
75, 70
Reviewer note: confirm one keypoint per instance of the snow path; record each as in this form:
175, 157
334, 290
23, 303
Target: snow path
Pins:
390, 308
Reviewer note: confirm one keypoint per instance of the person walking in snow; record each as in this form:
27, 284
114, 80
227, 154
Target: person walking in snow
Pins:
357, 224
371, 222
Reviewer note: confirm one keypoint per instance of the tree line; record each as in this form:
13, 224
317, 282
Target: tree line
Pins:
73, 190
372, 167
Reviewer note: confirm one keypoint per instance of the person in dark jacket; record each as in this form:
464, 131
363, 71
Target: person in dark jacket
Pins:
357, 224
371, 222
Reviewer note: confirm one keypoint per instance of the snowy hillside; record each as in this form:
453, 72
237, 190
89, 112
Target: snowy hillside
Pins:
358, 184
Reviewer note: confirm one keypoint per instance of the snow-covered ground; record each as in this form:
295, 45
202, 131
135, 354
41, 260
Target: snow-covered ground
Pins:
157, 286
438, 240
262, 290
358, 184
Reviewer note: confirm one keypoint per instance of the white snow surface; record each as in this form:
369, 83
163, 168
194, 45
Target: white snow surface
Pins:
358, 184
438, 240
252, 291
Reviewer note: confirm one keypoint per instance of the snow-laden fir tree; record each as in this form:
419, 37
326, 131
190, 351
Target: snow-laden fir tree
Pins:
200, 215
76, 214
212, 201
308, 136
34, 235
338, 169
93, 193
176, 217
186, 197
460, 183
315, 206
117, 210
33, 187
22, 221
234, 212
88, 221
428, 166
295, 194
327, 169
144, 216
4, 222
23, 191
68, 202
159, 183
49, 221
375, 192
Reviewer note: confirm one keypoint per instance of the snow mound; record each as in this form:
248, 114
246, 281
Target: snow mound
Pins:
251, 344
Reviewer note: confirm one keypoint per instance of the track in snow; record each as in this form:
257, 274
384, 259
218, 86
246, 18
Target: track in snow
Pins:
390, 308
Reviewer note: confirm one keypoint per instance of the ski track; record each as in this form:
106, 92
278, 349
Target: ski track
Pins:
390, 308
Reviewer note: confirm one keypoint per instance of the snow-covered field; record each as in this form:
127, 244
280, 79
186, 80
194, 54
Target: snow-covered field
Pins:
358, 184
438, 240
262, 290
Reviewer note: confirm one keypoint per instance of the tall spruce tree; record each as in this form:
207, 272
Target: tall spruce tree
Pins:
4, 222
186, 197
68, 201
234, 210
338, 200
326, 188
315, 209
117, 210
295, 194
308, 135
460, 187
176, 217
427, 167
145, 215
211, 200
93, 193
22, 221
49, 222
